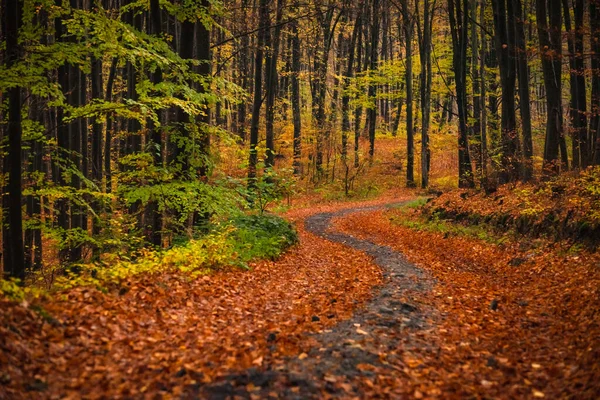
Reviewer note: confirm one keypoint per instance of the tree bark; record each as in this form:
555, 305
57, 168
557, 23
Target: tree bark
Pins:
459, 17
551, 51
14, 262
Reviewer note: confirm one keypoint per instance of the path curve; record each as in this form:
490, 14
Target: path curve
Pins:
336, 366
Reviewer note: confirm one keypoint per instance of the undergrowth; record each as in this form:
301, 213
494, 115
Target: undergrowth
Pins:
563, 208
409, 215
234, 243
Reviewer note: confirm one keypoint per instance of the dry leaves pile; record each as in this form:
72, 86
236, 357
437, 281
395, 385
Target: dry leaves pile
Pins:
165, 333
513, 324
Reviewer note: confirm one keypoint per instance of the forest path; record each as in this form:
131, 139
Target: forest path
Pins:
361, 356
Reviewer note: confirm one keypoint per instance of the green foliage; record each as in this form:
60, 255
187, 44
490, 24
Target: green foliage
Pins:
12, 290
234, 243
269, 188
262, 236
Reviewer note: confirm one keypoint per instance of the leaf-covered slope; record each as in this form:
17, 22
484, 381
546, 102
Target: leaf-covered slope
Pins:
564, 207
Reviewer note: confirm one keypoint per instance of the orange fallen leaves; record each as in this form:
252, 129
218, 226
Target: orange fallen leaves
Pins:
169, 331
541, 340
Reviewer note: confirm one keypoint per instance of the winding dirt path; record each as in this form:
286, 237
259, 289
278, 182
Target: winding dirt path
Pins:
359, 357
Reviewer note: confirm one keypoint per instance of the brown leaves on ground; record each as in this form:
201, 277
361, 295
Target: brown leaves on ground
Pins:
161, 334
513, 325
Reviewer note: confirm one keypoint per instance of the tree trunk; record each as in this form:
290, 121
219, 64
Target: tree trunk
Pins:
551, 51
271, 84
524, 100
295, 82
594, 135
410, 134
258, 69
505, 48
372, 112
459, 18
14, 262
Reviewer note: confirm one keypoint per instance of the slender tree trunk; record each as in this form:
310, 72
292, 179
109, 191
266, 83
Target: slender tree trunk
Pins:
551, 51
505, 48
425, 47
525, 102
109, 126
153, 217
459, 17
594, 135
244, 72
482, 75
14, 262
319, 90
271, 84
372, 112
295, 82
410, 134
358, 109
578, 93
258, 69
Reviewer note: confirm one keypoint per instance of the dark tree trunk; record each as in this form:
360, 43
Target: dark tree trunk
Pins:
244, 73
594, 135
358, 109
525, 102
425, 47
372, 112
459, 22
258, 69
319, 83
109, 126
271, 84
347, 77
153, 217
551, 51
410, 133
63, 145
13, 250
478, 103
505, 49
578, 109
295, 82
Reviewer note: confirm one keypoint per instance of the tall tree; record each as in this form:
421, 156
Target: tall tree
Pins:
258, 72
271, 81
424, 30
372, 111
524, 99
295, 92
13, 250
347, 76
459, 18
578, 104
408, 25
551, 52
594, 136
504, 22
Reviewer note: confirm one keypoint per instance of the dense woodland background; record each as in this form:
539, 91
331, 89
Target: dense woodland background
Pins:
127, 124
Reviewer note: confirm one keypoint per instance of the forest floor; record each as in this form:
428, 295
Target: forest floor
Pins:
364, 307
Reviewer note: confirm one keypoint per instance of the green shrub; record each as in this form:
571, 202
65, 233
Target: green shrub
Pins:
262, 236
